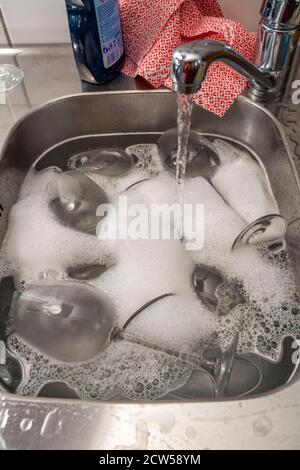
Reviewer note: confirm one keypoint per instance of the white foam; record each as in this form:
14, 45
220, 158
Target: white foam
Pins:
121, 372
146, 269
36, 242
243, 183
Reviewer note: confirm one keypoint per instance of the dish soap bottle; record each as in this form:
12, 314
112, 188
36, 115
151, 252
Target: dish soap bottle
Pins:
96, 36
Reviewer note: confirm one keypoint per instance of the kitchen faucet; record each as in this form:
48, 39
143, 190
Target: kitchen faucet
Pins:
277, 40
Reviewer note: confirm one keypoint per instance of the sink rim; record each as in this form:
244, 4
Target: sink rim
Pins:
15, 398
242, 97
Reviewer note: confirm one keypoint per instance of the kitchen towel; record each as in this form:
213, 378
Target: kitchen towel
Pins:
152, 29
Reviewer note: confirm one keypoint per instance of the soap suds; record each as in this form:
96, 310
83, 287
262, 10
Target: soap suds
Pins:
141, 270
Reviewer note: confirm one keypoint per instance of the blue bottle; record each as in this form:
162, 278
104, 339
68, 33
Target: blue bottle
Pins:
96, 36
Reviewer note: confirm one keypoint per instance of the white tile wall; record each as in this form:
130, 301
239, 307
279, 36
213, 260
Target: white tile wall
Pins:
36, 21
44, 21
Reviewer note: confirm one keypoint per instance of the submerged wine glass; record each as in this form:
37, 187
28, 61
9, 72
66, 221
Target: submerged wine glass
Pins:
202, 158
75, 200
243, 183
269, 229
209, 284
110, 162
72, 322
238, 178
69, 320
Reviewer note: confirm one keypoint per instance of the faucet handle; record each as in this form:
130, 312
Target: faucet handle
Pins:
192, 60
281, 14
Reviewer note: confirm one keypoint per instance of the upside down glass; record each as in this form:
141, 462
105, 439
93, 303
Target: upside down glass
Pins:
239, 178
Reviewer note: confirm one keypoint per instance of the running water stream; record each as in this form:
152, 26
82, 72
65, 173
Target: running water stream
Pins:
185, 107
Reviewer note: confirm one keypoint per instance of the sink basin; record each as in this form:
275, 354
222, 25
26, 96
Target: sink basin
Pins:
124, 119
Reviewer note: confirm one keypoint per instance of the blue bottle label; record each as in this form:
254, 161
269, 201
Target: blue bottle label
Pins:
110, 32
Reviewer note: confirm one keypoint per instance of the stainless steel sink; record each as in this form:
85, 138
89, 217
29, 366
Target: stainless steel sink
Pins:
124, 119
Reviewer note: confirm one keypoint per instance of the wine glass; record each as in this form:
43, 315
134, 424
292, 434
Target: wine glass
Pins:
45, 311
239, 179
269, 229
75, 198
11, 77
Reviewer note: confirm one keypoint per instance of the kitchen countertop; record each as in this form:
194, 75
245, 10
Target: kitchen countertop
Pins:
260, 423
49, 72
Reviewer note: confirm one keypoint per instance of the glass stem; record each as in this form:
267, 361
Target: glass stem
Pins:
185, 357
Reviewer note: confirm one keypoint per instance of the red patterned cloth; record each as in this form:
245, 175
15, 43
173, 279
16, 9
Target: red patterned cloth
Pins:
152, 29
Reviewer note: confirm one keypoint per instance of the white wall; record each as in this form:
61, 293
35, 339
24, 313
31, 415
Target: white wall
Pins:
44, 21
36, 21
2, 36
245, 11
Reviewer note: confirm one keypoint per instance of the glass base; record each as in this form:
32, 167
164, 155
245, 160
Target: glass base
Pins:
269, 229
10, 77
